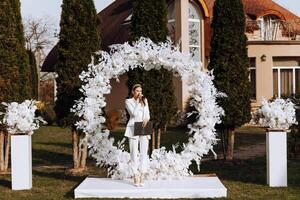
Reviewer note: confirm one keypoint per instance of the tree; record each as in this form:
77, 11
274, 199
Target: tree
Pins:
39, 36
229, 60
149, 19
14, 67
78, 38
24, 67
34, 82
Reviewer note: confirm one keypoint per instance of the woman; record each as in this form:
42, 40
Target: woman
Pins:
138, 109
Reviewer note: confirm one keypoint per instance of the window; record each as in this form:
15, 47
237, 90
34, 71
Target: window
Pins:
286, 80
171, 20
269, 26
252, 77
195, 30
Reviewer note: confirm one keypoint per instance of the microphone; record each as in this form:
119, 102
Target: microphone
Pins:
141, 97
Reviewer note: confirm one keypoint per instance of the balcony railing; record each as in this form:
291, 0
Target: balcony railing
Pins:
272, 30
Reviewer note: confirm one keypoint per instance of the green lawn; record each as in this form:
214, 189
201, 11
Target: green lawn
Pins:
244, 179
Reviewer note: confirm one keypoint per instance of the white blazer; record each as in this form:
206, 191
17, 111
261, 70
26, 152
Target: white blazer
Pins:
132, 107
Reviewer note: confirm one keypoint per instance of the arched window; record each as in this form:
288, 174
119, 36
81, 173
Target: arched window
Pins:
171, 20
195, 30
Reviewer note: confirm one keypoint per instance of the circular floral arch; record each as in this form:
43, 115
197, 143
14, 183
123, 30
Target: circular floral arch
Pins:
163, 164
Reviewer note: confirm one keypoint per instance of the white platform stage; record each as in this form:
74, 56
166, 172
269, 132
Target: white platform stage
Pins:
190, 187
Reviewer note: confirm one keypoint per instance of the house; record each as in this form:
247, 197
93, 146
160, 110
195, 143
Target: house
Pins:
273, 44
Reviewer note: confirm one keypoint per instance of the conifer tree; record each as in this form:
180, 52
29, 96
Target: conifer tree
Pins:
33, 75
9, 71
24, 67
14, 74
229, 60
79, 38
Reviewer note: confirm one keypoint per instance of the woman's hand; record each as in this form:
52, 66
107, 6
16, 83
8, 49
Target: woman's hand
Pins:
145, 121
139, 98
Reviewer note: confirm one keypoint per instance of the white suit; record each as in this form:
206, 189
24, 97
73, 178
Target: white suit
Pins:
137, 113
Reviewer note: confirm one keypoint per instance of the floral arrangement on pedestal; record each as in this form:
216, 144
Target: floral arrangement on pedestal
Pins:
276, 114
163, 164
20, 118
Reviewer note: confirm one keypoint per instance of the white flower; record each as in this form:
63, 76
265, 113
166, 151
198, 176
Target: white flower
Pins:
144, 53
277, 114
20, 118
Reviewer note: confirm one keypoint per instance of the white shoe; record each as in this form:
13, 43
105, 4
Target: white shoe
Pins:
136, 180
142, 183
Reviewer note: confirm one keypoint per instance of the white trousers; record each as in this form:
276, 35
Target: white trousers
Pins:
142, 163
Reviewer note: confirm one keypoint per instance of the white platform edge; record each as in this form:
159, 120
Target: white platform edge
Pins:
190, 187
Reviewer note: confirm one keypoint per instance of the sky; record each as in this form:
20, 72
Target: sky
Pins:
49, 12
51, 9
292, 5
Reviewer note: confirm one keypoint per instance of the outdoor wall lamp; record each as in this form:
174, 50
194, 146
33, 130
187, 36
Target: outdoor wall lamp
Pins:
263, 58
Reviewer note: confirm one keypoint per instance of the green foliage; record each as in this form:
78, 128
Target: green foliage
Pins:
229, 60
294, 135
9, 73
24, 67
14, 66
149, 19
79, 37
296, 100
33, 75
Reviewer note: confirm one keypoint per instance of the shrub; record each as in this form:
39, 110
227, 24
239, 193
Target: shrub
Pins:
294, 136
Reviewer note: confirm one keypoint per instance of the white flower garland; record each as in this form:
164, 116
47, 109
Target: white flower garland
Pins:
20, 118
276, 114
144, 53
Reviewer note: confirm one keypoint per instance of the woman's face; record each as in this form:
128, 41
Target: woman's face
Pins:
136, 92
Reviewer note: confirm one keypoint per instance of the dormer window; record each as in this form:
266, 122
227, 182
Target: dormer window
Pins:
269, 27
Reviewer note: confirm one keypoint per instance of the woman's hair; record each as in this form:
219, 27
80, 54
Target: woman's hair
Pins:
133, 88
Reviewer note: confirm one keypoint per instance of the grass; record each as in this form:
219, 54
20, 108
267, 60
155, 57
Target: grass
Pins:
52, 155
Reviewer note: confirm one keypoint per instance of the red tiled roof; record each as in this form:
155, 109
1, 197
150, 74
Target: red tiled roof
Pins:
259, 8
263, 7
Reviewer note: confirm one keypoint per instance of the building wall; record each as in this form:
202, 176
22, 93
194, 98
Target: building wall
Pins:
264, 71
47, 91
182, 37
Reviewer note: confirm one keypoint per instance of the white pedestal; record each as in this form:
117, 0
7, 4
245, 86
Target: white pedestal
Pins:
21, 162
276, 144
191, 187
